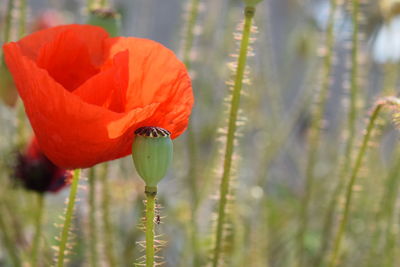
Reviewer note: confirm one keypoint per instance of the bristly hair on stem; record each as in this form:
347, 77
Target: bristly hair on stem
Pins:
230, 136
393, 103
152, 244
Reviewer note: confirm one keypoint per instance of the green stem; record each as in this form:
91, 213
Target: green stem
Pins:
234, 108
315, 130
349, 189
68, 218
92, 219
38, 230
151, 193
108, 229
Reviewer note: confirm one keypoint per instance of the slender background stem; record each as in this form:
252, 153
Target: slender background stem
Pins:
234, 108
349, 190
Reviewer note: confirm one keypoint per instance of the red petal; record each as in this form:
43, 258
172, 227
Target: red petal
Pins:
108, 88
156, 76
67, 60
92, 36
72, 133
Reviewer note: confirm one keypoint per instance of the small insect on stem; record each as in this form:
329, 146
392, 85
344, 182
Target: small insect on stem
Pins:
158, 219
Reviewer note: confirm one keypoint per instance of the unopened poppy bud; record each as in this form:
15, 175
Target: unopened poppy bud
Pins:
108, 19
152, 153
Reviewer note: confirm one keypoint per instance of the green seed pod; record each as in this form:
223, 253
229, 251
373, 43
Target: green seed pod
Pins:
108, 19
152, 154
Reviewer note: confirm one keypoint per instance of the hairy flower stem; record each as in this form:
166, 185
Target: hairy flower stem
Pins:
315, 131
151, 193
92, 219
68, 218
38, 230
354, 172
350, 135
108, 229
234, 108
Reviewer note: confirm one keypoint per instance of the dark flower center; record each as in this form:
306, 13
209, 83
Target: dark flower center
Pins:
152, 131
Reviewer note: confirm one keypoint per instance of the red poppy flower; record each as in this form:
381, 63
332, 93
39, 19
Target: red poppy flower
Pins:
86, 93
38, 173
